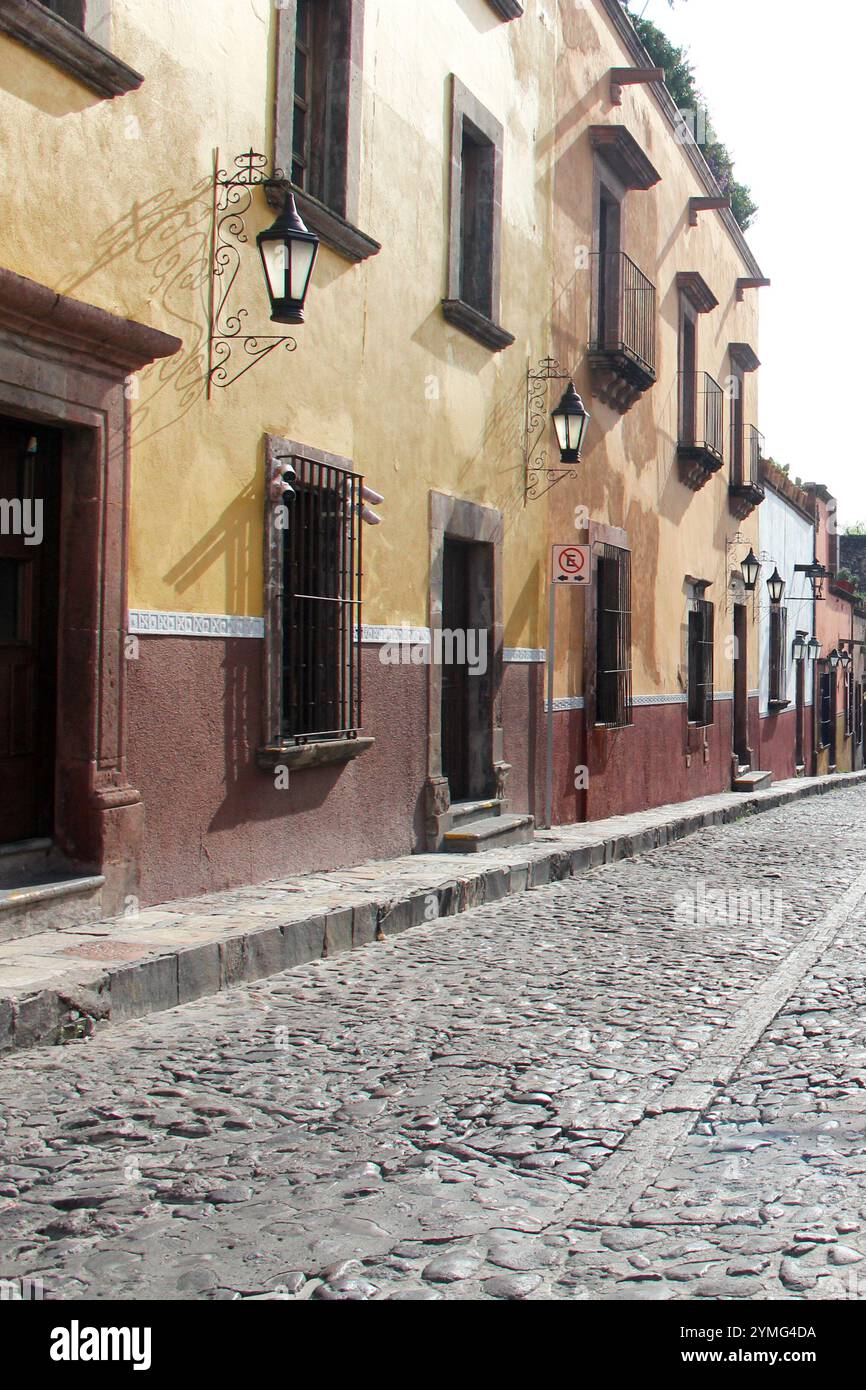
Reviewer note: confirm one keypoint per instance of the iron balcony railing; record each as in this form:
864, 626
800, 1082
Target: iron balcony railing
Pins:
624, 310
746, 461
702, 413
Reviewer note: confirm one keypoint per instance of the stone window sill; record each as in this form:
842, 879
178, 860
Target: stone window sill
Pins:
296, 756
476, 325
67, 48
331, 229
775, 706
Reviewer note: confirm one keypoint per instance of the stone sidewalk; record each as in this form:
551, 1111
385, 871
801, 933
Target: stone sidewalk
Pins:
62, 984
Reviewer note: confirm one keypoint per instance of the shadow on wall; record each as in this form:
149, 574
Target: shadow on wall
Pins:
170, 237
234, 541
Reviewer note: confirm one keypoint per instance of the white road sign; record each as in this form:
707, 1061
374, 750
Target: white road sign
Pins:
571, 564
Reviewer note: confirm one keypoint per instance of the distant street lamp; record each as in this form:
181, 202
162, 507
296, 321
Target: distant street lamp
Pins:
834, 660
570, 419
800, 647
845, 659
776, 586
814, 649
751, 568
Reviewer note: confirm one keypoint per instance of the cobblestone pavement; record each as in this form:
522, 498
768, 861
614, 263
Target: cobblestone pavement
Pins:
619, 1086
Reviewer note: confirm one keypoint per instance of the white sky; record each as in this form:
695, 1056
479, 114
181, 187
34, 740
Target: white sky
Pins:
780, 80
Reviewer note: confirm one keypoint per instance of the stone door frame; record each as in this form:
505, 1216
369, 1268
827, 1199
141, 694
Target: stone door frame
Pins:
65, 363
456, 519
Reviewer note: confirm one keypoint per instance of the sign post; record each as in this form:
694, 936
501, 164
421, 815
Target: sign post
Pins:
570, 564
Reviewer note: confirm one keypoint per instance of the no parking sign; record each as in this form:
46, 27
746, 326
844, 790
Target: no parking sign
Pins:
571, 565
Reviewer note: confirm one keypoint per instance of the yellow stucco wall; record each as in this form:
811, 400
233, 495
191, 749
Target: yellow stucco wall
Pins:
630, 475
379, 376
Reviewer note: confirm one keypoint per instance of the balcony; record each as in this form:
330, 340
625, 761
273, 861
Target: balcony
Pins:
701, 428
622, 353
746, 491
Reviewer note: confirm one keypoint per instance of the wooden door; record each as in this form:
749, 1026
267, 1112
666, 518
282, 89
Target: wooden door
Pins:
29, 532
455, 676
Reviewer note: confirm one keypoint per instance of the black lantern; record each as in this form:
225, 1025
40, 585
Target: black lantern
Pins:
570, 419
834, 659
800, 647
814, 649
776, 586
288, 252
751, 568
845, 659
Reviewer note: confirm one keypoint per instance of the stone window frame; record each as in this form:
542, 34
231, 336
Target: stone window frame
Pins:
334, 221
598, 535
82, 53
275, 750
466, 110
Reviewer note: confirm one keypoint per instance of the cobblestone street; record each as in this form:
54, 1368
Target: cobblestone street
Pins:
616, 1087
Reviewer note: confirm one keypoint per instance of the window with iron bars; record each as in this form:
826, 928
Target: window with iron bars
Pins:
613, 692
778, 655
849, 703
701, 663
321, 605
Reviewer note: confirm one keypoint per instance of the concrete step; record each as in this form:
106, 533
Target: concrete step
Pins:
32, 901
753, 782
492, 833
463, 811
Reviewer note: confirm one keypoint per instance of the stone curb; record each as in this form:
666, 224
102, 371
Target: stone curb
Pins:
74, 1006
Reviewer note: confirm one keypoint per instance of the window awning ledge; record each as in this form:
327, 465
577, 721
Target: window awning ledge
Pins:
295, 756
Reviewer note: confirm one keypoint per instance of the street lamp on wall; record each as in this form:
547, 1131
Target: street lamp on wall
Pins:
776, 586
801, 646
845, 659
570, 419
814, 649
288, 251
834, 659
751, 568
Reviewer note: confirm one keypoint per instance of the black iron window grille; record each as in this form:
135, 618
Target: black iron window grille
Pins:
702, 413
701, 706
857, 693
849, 703
70, 10
778, 655
321, 605
613, 697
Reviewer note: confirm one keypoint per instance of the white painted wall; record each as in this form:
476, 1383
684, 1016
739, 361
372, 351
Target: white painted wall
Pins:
787, 537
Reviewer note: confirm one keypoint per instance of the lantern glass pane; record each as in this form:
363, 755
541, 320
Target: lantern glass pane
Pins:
303, 256
276, 262
560, 421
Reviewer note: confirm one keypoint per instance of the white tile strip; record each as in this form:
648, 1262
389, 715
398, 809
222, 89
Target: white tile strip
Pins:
403, 636
147, 622
518, 655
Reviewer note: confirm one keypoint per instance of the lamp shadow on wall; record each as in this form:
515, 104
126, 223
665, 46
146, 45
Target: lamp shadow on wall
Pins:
170, 237
233, 541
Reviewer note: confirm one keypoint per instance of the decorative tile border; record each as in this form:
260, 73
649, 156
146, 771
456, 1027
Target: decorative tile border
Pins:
147, 622
524, 655
405, 636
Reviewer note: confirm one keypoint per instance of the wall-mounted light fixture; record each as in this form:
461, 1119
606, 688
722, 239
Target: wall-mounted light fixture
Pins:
833, 660
288, 251
751, 568
845, 659
570, 419
776, 586
800, 646
814, 649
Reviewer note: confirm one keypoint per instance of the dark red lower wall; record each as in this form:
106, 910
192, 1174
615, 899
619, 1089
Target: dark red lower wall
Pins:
213, 819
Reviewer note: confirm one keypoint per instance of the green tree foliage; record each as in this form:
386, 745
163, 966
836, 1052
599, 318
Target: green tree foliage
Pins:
680, 82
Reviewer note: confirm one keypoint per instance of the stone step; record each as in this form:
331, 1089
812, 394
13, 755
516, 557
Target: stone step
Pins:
34, 902
463, 811
753, 782
23, 857
492, 833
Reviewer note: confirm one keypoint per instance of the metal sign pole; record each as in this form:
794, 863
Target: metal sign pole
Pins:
551, 642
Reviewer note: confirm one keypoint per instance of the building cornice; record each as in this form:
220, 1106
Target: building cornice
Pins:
627, 32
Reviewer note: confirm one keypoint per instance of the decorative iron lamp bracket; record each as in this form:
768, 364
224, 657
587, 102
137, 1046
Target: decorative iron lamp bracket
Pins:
232, 200
537, 469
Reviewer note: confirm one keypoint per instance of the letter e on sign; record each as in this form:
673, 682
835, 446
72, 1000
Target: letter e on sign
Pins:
571, 564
